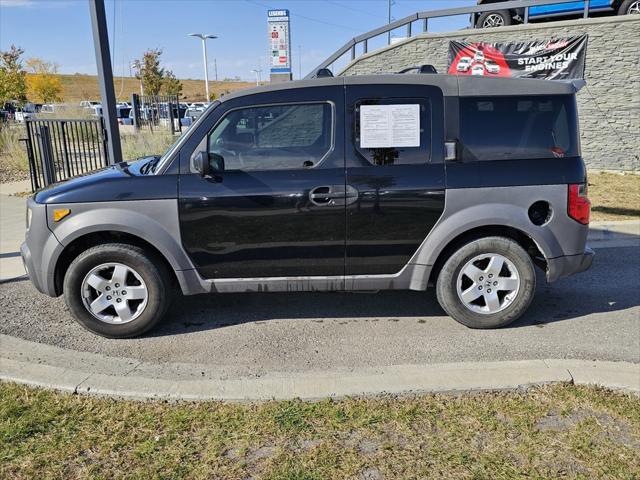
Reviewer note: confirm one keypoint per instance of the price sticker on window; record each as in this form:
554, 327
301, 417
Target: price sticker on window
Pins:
388, 126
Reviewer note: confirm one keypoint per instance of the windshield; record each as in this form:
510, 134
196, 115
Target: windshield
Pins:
169, 154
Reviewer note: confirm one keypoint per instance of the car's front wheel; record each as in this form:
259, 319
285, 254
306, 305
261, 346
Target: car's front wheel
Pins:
487, 283
116, 290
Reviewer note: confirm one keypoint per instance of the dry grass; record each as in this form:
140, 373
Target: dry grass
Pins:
85, 87
13, 154
614, 196
145, 143
556, 431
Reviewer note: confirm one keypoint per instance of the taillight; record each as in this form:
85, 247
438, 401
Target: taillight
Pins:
579, 206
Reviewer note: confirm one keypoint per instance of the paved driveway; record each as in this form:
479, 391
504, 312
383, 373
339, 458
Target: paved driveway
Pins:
12, 226
595, 315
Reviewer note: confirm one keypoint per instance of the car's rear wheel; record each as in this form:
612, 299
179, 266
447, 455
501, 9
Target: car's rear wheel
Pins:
498, 18
487, 283
116, 290
629, 7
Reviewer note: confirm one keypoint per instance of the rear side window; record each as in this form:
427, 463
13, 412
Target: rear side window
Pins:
529, 127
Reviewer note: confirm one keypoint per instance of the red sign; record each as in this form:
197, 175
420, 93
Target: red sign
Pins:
553, 59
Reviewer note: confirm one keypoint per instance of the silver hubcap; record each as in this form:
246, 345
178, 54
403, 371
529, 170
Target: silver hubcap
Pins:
114, 293
493, 20
634, 8
488, 283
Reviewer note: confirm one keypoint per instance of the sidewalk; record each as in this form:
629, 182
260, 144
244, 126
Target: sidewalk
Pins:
12, 228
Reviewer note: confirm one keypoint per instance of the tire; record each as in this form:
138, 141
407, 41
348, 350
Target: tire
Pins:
629, 7
474, 259
499, 18
144, 276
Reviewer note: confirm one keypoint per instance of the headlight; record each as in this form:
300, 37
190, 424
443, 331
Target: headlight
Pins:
29, 215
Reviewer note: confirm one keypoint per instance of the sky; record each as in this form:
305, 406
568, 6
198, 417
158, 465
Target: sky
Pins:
59, 31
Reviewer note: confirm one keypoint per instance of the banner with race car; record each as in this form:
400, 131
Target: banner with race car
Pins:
555, 59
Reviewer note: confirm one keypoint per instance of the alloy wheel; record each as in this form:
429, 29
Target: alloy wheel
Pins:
488, 283
114, 293
493, 20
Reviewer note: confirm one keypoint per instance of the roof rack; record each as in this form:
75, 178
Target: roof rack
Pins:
420, 69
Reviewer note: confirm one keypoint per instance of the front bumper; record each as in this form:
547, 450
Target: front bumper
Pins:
40, 250
561, 267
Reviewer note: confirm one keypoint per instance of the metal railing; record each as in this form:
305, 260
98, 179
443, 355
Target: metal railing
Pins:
61, 149
423, 17
157, 112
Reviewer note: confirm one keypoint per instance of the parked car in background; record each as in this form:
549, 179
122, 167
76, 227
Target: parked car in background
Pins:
26, 111
95, 110
123, 114
89, 103
500, 18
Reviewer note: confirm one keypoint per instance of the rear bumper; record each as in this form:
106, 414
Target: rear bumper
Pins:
561, 267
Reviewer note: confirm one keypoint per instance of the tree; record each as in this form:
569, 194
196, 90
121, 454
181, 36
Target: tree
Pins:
44, 83
13, 84
150, 73
170, 84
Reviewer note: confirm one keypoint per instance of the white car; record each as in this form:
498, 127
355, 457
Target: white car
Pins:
478, 56
464, 64
88, 103
492, 67
477, 70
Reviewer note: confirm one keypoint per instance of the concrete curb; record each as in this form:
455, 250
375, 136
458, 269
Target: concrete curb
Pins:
41, 365
609, 234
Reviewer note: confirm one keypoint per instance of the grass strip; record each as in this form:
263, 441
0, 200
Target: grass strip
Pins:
549, 432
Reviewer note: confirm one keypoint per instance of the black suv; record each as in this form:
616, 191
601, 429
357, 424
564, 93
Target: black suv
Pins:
348, 183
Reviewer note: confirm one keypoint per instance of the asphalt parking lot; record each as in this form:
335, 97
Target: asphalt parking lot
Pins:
592, 316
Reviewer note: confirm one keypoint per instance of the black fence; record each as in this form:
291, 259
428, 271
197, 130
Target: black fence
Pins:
61, 149
157, 112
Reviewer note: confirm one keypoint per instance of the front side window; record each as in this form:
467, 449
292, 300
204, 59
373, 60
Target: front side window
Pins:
393, 131
273, 137
508, 128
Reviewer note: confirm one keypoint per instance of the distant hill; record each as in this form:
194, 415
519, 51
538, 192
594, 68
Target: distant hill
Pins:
85, 87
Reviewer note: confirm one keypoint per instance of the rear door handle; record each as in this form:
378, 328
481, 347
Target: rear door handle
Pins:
333, 195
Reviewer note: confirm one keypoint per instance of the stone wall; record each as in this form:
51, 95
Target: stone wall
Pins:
609, 105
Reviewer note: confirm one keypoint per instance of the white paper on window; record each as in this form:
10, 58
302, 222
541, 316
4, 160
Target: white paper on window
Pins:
386, 126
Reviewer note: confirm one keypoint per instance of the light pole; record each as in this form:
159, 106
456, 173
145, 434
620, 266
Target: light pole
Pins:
204, 38
389, 4
257, 71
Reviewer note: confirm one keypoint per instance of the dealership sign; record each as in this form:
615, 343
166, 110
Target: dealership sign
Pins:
555, 59
279, 41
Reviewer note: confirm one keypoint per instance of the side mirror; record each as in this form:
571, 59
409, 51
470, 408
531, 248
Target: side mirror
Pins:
201, 164
216, 163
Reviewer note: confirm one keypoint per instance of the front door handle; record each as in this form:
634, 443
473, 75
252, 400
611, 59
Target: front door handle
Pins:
333, 195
